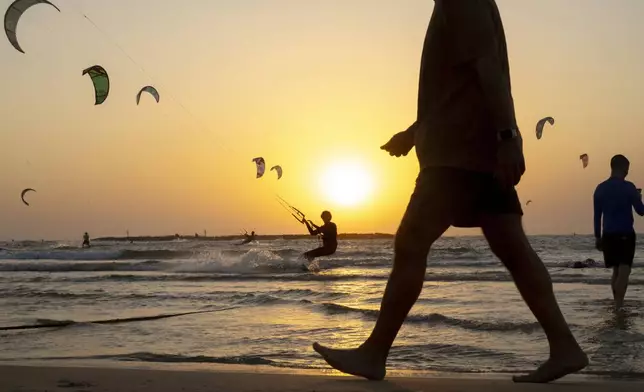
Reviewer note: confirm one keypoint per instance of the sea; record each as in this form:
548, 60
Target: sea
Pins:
207, 302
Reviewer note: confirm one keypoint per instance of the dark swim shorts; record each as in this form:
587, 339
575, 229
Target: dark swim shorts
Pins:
618, 249
458, 197
319, 252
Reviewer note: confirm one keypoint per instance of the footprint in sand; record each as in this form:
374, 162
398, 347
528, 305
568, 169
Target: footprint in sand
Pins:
73, 384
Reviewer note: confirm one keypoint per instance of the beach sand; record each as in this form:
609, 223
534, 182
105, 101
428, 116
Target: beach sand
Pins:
86, 379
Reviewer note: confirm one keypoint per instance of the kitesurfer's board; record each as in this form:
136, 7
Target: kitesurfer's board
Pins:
311, 267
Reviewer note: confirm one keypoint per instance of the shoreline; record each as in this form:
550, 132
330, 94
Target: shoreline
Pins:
268, 237
230, 378
232, 237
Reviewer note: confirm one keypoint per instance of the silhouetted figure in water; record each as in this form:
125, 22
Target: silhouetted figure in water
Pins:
249, 238
471, 157
329, 233
614, 200
588, 263
86, 243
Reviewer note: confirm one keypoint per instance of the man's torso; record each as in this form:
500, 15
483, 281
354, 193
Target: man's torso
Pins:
454, 123
329, 234
615, 198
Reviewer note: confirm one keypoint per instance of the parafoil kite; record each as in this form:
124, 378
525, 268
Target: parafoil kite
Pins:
12, 16
278, 169
542, 123
148, 89
22, 194
584, 159
528, 203
261, 166
101, 82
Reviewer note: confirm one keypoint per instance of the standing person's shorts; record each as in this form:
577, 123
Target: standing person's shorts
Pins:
458, 197
619, 249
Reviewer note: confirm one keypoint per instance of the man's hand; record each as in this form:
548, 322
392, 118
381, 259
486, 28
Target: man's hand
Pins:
599, 245
510, 164
401, 143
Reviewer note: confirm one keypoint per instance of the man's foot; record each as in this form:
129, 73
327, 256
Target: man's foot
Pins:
619, 306
556, 367
357, 362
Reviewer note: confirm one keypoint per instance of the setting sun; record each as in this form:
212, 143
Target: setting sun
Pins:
346, 184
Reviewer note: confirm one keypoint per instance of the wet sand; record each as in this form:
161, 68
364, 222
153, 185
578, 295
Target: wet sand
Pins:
86, 379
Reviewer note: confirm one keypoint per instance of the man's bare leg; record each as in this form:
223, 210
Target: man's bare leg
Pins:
613, 282
621, 285
508, 241
403, 288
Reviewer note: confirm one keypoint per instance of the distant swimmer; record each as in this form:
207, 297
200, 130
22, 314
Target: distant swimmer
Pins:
614, 200
249, 238
588, 263
86, 243
329, 233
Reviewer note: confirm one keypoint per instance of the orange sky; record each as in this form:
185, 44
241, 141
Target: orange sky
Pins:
301, 83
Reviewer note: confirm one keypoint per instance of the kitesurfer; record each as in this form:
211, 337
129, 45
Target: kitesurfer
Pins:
614, 200
329, 233
86, 243
249, 238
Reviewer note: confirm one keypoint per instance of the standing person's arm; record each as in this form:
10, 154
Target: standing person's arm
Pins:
598, 219
638, 206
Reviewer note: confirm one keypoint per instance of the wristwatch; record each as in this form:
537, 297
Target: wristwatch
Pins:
507, 134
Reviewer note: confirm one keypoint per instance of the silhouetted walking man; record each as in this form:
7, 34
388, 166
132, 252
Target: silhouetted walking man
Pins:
471, 157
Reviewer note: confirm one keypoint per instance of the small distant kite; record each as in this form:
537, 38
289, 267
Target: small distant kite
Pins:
528, 203
22, 195
12, 16
101, 82
278, 169
150, 90
584, 160
542, 123
261, 166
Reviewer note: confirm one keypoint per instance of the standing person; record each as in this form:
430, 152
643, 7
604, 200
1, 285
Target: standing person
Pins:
86, 243
471, 157
614, 199
329, 233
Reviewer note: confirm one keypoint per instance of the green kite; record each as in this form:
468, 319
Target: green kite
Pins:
101, 82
